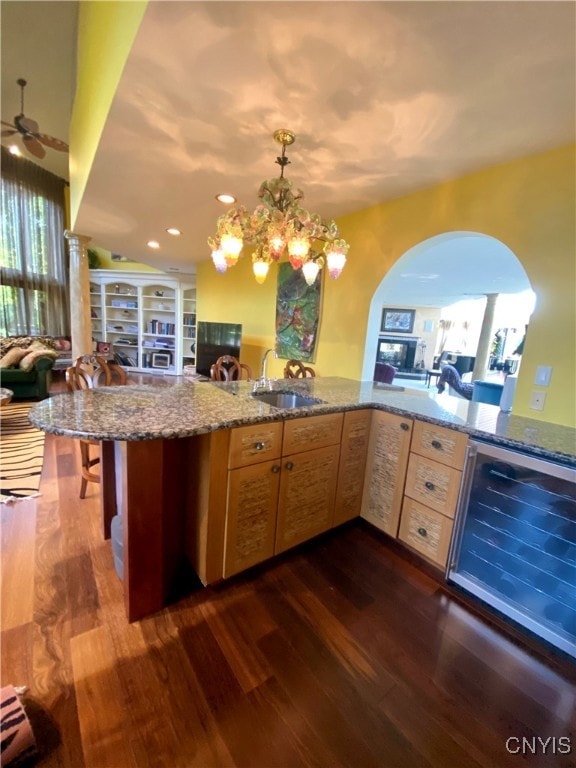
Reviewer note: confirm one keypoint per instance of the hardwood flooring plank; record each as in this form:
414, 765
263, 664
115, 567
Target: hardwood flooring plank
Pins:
18, 523
101, 704
16, 644
346, 728
227, 626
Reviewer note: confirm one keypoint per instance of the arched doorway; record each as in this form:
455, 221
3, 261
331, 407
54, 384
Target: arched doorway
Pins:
442, 271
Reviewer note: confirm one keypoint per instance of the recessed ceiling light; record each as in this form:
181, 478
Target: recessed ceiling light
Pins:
153, 244
14, 150
225, 198
173, 231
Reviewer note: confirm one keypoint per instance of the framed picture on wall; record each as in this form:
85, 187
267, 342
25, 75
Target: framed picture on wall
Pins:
397, 320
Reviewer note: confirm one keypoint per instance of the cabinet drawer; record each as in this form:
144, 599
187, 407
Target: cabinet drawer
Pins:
433, 484
426, 531
439, 443
253, 444
312, 432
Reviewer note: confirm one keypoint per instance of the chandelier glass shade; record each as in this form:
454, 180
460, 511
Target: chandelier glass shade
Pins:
277, 227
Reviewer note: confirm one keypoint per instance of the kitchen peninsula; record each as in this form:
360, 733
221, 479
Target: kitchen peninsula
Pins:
165, 458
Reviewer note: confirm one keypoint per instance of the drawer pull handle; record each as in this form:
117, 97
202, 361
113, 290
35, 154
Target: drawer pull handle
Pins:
259, 445
289, 465
437, 444
422, 531
404, 426
429, 485
275, 469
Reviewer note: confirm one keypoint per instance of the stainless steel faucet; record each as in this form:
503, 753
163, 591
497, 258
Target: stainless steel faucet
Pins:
262, 381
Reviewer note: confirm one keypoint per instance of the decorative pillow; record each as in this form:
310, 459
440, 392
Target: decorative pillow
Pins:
28, 362
13, 357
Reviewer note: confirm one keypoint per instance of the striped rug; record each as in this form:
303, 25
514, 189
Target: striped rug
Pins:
21, 453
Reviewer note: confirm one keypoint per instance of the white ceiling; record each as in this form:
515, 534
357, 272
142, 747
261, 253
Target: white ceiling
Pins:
384, 97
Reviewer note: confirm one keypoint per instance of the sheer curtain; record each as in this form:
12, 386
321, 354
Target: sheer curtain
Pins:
33, 254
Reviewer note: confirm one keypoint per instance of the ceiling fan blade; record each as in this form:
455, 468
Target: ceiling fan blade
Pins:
9, 133
53, 143
26, 124
8, 124
33, 146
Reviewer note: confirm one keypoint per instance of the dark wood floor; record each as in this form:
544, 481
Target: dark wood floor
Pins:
339, 654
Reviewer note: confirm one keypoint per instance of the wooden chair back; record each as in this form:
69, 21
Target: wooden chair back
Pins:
88, 372
91, 371
228, 368
295, 369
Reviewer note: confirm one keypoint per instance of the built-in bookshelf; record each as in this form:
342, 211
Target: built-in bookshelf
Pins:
145, 321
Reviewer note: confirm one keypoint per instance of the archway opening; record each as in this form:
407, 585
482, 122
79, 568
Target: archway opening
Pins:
445, 281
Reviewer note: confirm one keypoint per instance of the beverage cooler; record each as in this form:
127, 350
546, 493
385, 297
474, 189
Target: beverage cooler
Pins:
514, 546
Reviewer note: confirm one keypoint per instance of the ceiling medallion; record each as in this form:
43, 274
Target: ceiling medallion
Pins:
277, 226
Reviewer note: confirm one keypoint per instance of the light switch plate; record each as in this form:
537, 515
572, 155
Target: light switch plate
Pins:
537, 400
543, 374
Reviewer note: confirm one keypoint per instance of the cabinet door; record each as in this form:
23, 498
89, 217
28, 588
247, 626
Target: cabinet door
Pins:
386, 470
307, 490
353, 450
250, 516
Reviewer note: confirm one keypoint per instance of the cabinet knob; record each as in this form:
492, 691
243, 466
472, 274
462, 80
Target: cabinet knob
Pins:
437, 444
259, 446
275, 469
429, 485
422, 531
289, 465
404, 426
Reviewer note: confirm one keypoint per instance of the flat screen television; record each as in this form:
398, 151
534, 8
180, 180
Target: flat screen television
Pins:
214, 340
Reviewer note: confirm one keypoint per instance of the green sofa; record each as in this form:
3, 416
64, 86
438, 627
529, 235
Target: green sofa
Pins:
26, 365
29, 384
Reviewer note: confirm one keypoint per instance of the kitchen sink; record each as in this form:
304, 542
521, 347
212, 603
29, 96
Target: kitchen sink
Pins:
286, 399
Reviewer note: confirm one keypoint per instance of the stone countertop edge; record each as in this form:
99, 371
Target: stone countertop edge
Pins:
183, 409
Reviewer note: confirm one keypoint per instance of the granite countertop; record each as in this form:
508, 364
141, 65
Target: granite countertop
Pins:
182, 409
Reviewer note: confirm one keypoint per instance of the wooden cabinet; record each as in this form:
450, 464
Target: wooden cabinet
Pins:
352, 467
388, 451
433, 482
281, 487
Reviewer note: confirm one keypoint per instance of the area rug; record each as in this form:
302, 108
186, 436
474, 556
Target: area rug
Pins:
21, 453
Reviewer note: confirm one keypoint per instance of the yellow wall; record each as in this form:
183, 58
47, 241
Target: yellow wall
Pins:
106, 32
528, 204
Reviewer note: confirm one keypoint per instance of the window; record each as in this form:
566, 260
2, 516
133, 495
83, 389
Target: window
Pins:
33, 256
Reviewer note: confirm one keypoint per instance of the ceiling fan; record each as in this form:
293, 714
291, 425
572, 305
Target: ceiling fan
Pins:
28, 129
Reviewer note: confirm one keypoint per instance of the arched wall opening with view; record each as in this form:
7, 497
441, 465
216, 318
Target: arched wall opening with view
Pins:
441, 284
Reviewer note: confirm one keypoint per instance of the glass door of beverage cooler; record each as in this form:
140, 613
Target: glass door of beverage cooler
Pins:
514, 545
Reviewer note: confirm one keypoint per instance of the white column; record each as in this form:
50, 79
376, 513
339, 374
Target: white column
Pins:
485, 340
80, 322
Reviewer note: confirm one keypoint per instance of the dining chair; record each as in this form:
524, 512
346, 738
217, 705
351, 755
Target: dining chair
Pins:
295, 369
229, 368
88, 372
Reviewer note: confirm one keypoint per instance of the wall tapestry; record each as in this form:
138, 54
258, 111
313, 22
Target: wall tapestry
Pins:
297, 315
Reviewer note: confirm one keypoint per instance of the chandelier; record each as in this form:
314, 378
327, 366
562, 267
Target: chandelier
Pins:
278, 226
